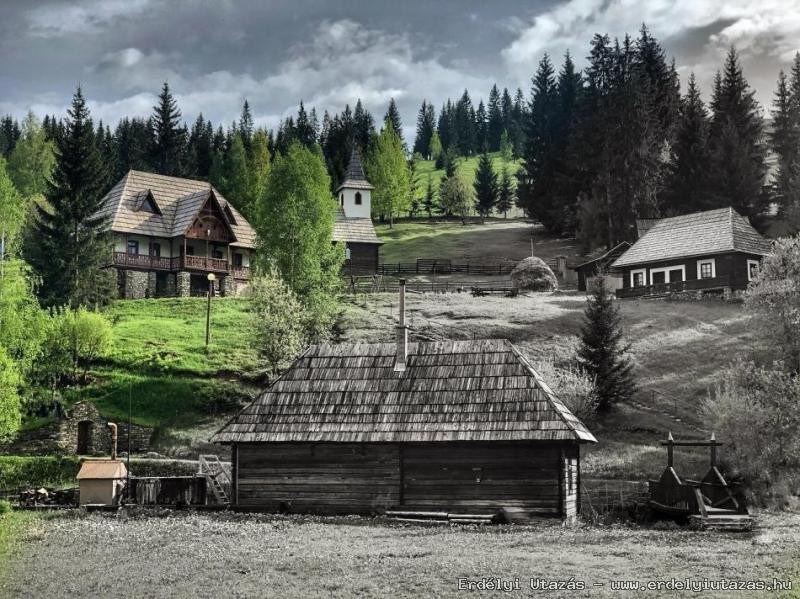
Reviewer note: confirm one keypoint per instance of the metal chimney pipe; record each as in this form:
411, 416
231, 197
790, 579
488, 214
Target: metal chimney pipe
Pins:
113, 428
401, 332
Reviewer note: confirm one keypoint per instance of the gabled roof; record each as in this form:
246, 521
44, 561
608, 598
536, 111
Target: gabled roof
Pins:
699, 234
450, 391
354, 176
102, 469
354, 230
178, 201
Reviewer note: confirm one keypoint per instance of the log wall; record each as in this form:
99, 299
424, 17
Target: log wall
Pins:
537, 479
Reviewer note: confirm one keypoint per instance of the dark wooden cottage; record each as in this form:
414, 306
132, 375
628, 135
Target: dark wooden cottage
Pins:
716, 250
599, 265
453, 426
353, 223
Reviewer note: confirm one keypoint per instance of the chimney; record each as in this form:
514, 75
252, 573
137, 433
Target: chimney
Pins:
401, 332
113, 428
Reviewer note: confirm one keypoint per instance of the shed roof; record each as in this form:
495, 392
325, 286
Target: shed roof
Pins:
699, 234
102, 469
450, 391
355, 230
178, 202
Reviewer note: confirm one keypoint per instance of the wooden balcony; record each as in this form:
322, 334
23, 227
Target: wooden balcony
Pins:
198, 263
659, 289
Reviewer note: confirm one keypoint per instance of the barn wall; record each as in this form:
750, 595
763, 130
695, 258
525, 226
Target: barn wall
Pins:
363, 259
534, 479
324, 478
483, 476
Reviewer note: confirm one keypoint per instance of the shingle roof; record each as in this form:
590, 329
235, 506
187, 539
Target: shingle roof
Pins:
698, 234
355, 230
606, 256
354, 176
450, 391
179, 201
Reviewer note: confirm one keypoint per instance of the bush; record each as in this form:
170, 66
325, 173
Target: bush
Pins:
18, 472
533, 274
573, 387
5, 506
754, 412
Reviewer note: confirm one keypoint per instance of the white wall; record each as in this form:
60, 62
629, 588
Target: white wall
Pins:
351, 210
121, 244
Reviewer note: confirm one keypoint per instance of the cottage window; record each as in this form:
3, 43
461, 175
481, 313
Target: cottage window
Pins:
190, 250
341, 199
637, 278
347, 253
133, 247
752, 269
217, 254
358, 198
706, 269
155, 250
238, 260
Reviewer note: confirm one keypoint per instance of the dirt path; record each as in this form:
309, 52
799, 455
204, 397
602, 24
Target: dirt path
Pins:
219, 555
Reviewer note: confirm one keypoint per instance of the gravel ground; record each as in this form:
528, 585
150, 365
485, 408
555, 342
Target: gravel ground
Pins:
184, 554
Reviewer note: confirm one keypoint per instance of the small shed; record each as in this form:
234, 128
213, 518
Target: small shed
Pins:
589, 271
101, 481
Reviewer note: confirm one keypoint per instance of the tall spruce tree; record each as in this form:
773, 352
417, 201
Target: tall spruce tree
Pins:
485, 186
246, 126
393, 116
168, 150
603, 352
505, 193
363, 127
495, 125
429, 200
426, 126
686, 187
74, 243
738, 167
785, 141
537, 175
481, 128
464, 126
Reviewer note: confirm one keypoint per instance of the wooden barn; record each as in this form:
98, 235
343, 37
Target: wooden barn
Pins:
713, 251
434, 427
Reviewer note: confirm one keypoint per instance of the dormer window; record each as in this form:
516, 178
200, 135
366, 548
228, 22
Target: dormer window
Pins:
358, 198
229, 214
149, 204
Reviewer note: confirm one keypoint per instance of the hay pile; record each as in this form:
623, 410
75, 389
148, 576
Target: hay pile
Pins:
533, 274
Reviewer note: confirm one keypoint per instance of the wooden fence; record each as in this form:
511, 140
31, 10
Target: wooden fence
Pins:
434, 266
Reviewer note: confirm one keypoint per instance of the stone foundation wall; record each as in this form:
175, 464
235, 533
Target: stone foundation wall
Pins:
66, 433
135, 284
183, 284
227, 286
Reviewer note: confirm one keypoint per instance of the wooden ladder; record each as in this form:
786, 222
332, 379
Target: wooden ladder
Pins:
217, 477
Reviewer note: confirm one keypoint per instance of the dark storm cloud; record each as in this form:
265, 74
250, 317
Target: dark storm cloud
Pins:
216, 53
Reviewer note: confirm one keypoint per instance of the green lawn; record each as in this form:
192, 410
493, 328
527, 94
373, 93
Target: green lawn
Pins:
466, 168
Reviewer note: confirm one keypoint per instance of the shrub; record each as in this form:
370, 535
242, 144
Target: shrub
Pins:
5, 506
87, 335
533, 274
754, 411
573, 387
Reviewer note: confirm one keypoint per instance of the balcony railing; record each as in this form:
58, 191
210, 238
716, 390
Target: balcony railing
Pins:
714, 283
200, 263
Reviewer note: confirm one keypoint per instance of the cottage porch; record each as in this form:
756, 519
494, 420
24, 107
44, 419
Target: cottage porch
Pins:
714, 284
179, 263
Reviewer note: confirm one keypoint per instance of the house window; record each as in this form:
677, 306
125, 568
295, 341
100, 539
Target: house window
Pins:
347, 253
358, 198
752, 269
706, 269
155, 250
133, 247
341, 199
638, 278
217, 254
190, 250
238, 260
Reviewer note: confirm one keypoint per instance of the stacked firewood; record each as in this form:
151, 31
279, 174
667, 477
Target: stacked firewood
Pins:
48, 497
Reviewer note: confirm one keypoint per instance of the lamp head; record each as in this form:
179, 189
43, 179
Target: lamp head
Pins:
211, 276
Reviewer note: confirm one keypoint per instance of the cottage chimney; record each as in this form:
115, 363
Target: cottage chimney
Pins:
402, 332
113, 428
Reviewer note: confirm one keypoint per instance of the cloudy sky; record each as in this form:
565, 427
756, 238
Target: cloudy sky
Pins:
216, 53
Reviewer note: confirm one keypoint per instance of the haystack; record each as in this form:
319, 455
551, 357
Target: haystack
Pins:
533, 274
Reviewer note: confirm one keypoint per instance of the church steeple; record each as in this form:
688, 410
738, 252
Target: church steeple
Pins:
355, 193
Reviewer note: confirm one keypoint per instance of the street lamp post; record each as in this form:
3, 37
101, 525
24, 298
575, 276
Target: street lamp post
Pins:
211, 279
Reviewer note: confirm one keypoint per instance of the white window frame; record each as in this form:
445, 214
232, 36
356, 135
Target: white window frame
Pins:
666, 269
750, 263
643, 272
346, 253
711, 261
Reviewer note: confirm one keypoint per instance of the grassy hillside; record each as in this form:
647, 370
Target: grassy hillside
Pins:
495, 241
466, 168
